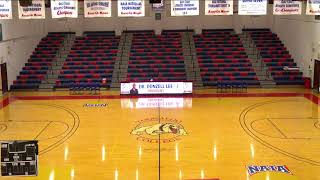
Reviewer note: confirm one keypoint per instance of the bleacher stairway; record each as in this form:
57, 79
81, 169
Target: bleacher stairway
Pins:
190, 59
273, 58
121, 65
39, 65
49, 82
259, 66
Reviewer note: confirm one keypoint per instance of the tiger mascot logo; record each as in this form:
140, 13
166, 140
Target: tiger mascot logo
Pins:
160, 128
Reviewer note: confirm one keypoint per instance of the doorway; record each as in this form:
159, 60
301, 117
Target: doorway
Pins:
4, 78
316, 77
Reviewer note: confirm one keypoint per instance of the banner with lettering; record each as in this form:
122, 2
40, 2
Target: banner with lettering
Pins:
5, 9
313, 7
252, 7
136, 88
158, 7
35, 11
219, 7
97, 8
64, 8
286, 7
131, 8
184, 7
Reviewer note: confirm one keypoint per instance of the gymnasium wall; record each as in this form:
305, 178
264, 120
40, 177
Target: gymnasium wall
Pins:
81, 24
20, 37
301, 35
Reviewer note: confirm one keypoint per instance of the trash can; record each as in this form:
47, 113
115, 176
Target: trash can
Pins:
307, 82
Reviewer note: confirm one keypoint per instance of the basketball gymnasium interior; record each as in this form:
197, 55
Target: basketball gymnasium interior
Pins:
160, 89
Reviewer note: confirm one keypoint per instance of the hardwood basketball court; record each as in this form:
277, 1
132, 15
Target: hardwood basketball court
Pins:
207, 136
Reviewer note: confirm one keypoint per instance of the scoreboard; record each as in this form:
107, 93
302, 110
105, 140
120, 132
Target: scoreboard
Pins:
19, 158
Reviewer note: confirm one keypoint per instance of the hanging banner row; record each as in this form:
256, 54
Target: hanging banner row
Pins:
136, 8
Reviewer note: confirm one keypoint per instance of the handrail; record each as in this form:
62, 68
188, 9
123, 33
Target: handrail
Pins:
20, 38
256, 52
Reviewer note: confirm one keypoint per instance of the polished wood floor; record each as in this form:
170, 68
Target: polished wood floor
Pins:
167, 138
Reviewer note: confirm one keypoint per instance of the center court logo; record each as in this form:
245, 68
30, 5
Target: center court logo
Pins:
149, 129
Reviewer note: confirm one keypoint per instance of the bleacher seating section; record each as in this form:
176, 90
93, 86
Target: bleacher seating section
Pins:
221, 56
40, 61
156, 57
91, 59
222, 59
276, 56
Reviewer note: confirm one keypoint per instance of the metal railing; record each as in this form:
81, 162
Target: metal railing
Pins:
67, 41
256, 52
193, 59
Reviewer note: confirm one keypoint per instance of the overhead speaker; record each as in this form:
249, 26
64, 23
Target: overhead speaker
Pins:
154, 1
25, 3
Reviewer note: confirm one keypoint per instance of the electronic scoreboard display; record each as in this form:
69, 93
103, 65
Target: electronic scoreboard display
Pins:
19, 158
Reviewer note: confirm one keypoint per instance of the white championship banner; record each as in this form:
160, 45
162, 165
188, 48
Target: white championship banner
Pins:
172, 102
131, 8
252, 7
64, 8
97, 8
184, 7
313, 7
137, 88
5, 9
218, 7
35, 11
286, 7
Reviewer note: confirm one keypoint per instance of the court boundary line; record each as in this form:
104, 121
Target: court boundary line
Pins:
34, 121
196, 95
43, 129
277, 128
311, 97
159, 142
74, 126
263, 134
3, 129
244, 126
